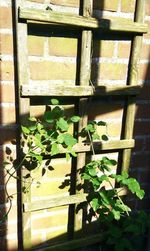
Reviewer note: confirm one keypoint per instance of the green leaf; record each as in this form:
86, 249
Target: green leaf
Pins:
54, 149
69, 140
105, 197
95, 136
103, 177
85, 176
122, 207
96, 183
140, 194
48, 117
108, 161
125, 174
90, 128
54, 101
57, 112
62, 125
95, 204
39, 158
32, 128
133, 186
38, 142
92, 172
116, 214
32, 119
60, 138
75, 119
25, 130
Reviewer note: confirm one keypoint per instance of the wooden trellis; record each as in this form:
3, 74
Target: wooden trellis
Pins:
83, 91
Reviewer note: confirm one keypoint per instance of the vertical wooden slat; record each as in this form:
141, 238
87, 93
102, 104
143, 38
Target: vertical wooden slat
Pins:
133, 80
23, 76
85, 72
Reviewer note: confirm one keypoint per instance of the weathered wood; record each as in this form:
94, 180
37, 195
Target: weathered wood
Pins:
78, 91
74, 244
83, 147
61, 201
102, 146
85, 73
23, 77
55, 202
86, 44
85, 69
133, 80
46, 16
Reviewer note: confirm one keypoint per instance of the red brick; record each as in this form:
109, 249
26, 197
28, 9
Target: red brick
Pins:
143, 204
147, 8
124, 50
142, 128
103, 48
145, 52
8, 115
5, 17
7, 135
128, 5
144, 93
143, 111
145, 176
139, 144
146, 188
147, 144
7, 70
72, 3
140, 160
144, 72
6, 44
147, 35
35, 45
37, 1
111, 71
7, 93
105, 111
106, 5
63, 46
3, 244
52, 70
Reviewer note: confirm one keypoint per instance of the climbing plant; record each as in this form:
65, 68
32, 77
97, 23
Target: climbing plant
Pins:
51, 135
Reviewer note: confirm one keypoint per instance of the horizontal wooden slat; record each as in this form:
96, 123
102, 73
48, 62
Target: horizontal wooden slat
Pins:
77, 91
74, 244
55, 202
100, 146
104, 145
48, 16
61, 201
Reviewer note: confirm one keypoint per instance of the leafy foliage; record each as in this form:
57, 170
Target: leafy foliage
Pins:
129, 233
51, 135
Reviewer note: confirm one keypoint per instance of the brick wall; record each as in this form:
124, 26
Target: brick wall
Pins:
47, 50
